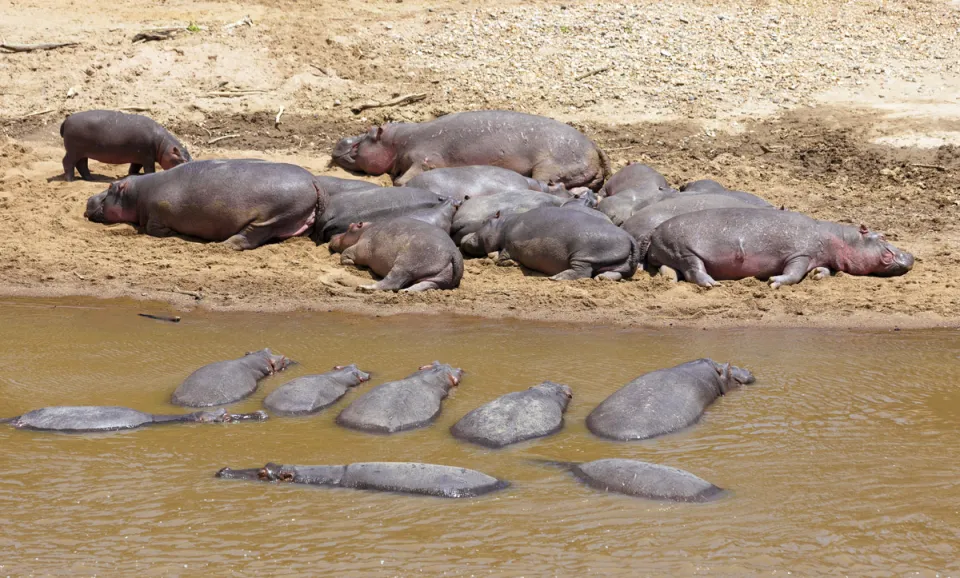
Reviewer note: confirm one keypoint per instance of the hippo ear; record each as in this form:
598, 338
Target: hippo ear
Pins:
497, 216
337, 367
122, 187
863, 229
466, 197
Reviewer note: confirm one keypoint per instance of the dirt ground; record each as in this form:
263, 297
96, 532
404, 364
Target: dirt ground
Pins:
846, 112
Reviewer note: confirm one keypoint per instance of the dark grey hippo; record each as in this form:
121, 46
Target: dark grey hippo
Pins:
402, 477
516, 417
533, 146
565, 243
118, 138
89, 418
621, 207
782, 246
409, 254
474, 212
709, 187
410, 403
370, 205
633, 177
334, 185
312, 393
645, 480
477, 181
664, 401
440, 216
225, 382
243, 203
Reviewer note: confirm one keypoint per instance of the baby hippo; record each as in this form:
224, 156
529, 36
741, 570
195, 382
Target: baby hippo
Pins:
516, 417
410, 255
118, 138
312, 393
225, 382
565, 243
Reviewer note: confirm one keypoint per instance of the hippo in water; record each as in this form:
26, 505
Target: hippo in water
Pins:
410, 403
243, 203
474, 212
118, 138
565, 243
80, 419
516, 417
402, 477
709, 187
478, 181
312, 393
664, 401
643, 480
370, 205
225, 382
544, 149
782, 246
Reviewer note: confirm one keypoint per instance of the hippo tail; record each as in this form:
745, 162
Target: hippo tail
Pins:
642, 248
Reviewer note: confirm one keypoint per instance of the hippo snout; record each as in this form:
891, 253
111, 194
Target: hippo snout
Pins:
344, 153
904, 260
94, 211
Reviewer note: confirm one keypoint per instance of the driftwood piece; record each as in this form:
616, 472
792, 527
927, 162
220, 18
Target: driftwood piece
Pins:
593, 72
399, 101
245, 20
195, 294
33, 47
169, 318
220, 138
37, 113
276, 121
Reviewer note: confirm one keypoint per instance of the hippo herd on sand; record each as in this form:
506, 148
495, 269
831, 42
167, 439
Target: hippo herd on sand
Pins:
526, 189
652, 405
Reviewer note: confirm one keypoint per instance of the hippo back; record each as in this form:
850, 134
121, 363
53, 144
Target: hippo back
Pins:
474, 212
635, 176
370, 205
82, 419
646, 480
470, 181
416, 478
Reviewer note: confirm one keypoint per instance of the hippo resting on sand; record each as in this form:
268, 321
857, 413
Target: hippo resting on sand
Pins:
312, 393
80, 419
371, 204
225, 382
643, 480
516, 417
781, 246
410, 403
563, 242
409, 254
474, 212
402, 477
664, 401
334, 185
709, 187
544, 149
243, 203
634, 177
118, 138
477, 181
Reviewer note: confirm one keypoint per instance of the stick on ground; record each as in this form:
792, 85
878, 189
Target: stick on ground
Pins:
195, 294
276, 121
32, 47
399, 101
220, 138
38, 113
592, 73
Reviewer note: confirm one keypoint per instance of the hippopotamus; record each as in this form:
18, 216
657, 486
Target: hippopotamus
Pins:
586, 204
621, 207
81, 419
334, 185
410, 403
402, 477
118, 138
709, 187
474, 212
516, 417
478, 181
544, 149
635, 177
225, 382
370, 205
781, 246
243, 203
440, 216
642, 224
664, 401
564, 243
311, 393
644, 480
409, 254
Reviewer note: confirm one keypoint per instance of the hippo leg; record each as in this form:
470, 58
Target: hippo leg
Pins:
149, 168
68, 164
395, 280
155, 228
669, 272
577, 270
413, 171
251, 237
793, 273
134, 169
611, 275
421, 286
693, 270
818, 273
346, 258
504, 259
83, 169
546, 171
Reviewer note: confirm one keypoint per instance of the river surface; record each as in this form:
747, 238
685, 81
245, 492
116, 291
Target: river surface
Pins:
841, 459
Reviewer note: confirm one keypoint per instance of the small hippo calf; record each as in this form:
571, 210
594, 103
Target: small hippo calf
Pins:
645, 480
477, 181
410, 255
781, 246
664, 401
634, 177
370, 205
562, 242
401, 477
410, 403
311, 393
440, 216
534, 146
118, 138
516, 417
225, 382
85, 419
474, 212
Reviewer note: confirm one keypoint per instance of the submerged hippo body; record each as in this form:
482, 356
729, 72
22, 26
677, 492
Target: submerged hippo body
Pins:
402, 477
664, 401
533, 146
410, 254
476, 181
645, 480
225, 382
311, 393
634, 177
118, 138
709, 187
562, 242
409, 403
244, 203
782, 246
80, 419
370, 205
474, 212
516, 417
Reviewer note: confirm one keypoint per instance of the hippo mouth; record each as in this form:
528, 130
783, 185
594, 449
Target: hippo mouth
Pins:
269, 473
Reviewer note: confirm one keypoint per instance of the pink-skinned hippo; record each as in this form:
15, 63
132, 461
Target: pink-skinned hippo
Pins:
710, 187
242, 203
118, 138
370, 205
634, 176
477, 181
544, 149
782, 246
409, 254
565, 243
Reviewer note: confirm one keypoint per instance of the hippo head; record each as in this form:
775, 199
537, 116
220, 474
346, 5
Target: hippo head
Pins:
485, 240
367, 153
453, 374
117, 204
269, 473
339, 243
871, 254
173, 154
276, 363
732, 377
353, 373
559, 392
221, 416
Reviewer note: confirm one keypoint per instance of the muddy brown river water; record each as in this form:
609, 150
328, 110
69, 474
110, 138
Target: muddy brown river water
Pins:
840, 459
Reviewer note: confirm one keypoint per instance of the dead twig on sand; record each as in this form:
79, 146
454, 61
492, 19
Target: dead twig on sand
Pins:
136, 108
79, 276
195, 294
233, 93
220, 138
38, 113
623, 148
592, 73
923, 166
152, 34
399, 101
168, 318
33, 47
276, 121
245, 20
